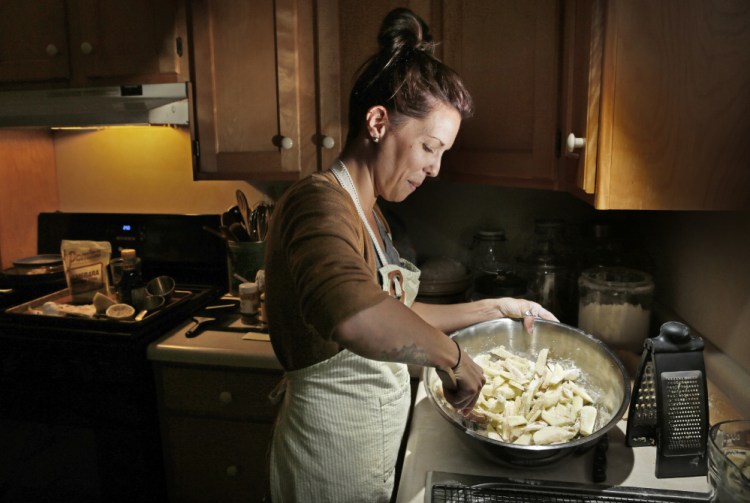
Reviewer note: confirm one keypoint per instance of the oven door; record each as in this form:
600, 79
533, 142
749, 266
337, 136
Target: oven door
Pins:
78, 407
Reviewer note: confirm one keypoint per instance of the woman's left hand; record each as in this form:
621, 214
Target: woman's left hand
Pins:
509, 307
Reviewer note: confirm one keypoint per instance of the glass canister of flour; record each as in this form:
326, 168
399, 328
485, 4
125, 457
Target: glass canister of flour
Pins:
615, 306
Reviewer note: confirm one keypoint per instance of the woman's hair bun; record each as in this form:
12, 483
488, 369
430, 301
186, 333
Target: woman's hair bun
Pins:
403, 30
404, 76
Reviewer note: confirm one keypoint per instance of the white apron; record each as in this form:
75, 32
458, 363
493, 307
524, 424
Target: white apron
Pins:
341, 421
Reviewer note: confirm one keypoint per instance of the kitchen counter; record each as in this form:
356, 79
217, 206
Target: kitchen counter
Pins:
435, 445
251, 349
215, 415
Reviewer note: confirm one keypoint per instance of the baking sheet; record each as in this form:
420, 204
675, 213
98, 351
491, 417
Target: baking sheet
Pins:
64, 297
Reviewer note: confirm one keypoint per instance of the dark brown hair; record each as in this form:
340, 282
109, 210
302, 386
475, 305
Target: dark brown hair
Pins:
404, 76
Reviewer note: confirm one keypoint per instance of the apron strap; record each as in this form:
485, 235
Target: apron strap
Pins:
345, 180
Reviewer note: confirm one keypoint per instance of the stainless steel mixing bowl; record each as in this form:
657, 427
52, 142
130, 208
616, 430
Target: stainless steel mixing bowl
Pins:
603, 375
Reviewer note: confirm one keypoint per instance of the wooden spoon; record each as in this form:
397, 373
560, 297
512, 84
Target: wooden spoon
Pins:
244, 210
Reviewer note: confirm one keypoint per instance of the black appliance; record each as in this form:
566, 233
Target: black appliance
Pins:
78, 413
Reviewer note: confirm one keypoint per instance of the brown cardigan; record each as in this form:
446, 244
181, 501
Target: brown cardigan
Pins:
320, 270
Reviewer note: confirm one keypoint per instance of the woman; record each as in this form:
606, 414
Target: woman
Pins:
340, 303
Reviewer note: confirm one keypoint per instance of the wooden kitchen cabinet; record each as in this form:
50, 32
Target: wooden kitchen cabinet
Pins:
79, 43
265, 77
507, 52
659, 92
270, 75
216, 431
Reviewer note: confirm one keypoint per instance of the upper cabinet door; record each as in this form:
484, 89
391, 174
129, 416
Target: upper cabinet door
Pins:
77, 43
674, 122
507, 52
254, 89
111, 38
33, 41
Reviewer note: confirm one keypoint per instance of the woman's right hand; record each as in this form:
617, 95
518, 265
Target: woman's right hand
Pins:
469, 379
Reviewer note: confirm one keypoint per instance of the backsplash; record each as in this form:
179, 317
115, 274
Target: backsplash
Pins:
137, 169
701, 260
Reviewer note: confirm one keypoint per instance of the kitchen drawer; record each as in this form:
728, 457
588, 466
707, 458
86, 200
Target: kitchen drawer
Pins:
216, 392
215, 460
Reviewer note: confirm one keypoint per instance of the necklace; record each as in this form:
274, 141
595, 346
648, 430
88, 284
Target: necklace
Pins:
345, 180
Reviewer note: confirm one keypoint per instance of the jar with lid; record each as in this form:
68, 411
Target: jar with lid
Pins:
493, 271
131, 287
615, 305
547, 268
249, 301
600, 247
489, 253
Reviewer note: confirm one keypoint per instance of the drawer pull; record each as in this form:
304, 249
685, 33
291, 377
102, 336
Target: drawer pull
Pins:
232, 471
225, 397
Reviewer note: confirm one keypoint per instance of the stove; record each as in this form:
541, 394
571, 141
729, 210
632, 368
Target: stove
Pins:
78, 408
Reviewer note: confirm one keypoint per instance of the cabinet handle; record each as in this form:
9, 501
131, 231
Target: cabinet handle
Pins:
52, 50
286, 143
225, 397
232, 471
87, 48
328, 142
573, 143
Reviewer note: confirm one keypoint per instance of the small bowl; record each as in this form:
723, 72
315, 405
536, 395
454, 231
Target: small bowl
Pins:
153, 302
161, 285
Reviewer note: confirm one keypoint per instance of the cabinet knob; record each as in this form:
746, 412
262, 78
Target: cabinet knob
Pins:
87, 48
573, 143
232, 471
286, 143
225, 397
52, 50
328, 142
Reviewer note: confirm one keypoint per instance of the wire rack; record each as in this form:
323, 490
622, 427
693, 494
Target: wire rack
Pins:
540, 492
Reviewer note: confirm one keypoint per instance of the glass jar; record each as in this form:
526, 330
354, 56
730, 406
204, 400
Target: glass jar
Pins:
601, 247
494, 273
729, 461
546, 267
615, 306
489, 253
548, 244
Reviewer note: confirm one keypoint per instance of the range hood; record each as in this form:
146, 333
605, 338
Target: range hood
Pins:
96, 106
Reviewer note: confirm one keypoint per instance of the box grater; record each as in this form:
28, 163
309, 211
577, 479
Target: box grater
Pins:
669, 403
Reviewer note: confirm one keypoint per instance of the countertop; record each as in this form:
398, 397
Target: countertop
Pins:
435, 445
249, 349
625, 466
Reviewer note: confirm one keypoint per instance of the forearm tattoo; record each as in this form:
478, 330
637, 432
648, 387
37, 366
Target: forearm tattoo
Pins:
407, 354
